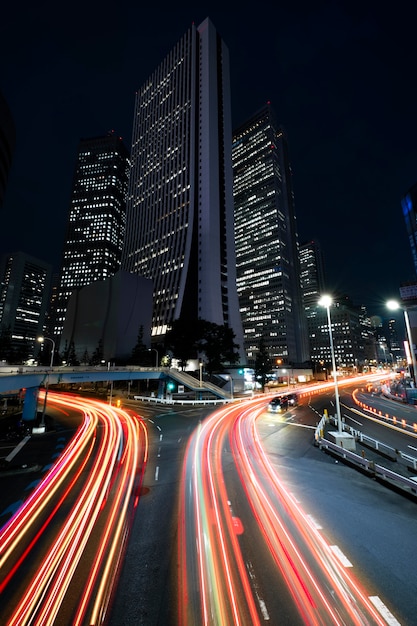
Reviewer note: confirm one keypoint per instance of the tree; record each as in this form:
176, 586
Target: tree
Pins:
263, 364
181, 340
187, 340
6, 348
140, 353
97, 355
218, 345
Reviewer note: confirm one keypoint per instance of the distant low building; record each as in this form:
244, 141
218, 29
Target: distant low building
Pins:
106, 317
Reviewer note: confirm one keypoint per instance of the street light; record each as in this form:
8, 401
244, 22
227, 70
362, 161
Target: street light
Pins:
393, 305
41, 340
327, 301
157, 355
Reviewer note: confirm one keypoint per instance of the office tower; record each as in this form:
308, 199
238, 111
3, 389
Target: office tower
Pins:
409, 207
24, 295
267, 253
7, 144
96, 221
352, 337
179, 224
312, 275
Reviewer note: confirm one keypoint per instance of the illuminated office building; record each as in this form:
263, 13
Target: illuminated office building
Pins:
179, 223
312, 276
267, 251
96, 221
24, 294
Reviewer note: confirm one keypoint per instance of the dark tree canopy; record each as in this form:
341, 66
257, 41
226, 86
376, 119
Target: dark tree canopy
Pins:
263, 363
213, 342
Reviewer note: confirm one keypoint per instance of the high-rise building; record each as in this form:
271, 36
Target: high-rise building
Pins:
409, 207
312, 275
351, 335
179, 224
24, 295
267, 251
96, 221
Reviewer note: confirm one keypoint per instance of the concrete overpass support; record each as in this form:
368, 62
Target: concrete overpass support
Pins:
30, 404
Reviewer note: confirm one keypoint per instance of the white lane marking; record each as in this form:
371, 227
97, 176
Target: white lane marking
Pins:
316, 524
261, 602
385, 612
159, 452
339, 554
156, 472
17, 448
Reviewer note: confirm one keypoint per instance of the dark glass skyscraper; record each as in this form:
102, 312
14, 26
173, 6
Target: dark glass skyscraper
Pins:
96, 221
409, 207
179, 225
267, 254
24, 292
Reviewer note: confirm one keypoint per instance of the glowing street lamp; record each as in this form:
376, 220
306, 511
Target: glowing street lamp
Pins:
393, 305
326, 302
157, 355
41, 340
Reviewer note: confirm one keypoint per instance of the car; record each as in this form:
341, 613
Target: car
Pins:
292, 399
278, 404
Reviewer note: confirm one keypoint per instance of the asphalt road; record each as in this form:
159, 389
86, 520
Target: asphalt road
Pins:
373, 526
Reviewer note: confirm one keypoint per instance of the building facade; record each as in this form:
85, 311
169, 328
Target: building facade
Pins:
105, 318
179, 224
267, 252
24, 296
96, 220
312, 275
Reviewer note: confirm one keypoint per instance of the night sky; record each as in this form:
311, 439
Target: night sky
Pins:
341, 77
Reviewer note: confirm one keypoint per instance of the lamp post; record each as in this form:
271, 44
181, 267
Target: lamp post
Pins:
157, 355
41, 340
201, 373
326, 301
393, 305
231, 386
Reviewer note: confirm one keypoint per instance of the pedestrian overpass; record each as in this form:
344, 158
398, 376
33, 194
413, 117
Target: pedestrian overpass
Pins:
31, 379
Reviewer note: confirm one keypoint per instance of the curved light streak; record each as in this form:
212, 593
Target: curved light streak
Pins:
215, 587
103, 467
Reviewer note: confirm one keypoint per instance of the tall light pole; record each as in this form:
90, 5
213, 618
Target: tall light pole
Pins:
41, 340
157, 355
393, 305
327, 301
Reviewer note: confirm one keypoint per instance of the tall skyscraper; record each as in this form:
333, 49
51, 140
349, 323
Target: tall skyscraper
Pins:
96, 221
24, 294
409, 207
179, 225
312, 275
267, 254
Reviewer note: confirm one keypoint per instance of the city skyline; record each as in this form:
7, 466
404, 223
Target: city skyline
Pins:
335, 76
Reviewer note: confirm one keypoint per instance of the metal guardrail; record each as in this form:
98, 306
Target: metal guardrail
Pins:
375, 469
370, 466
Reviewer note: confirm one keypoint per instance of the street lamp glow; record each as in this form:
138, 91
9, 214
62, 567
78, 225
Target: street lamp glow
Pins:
156, 355
41, 340
326, 302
